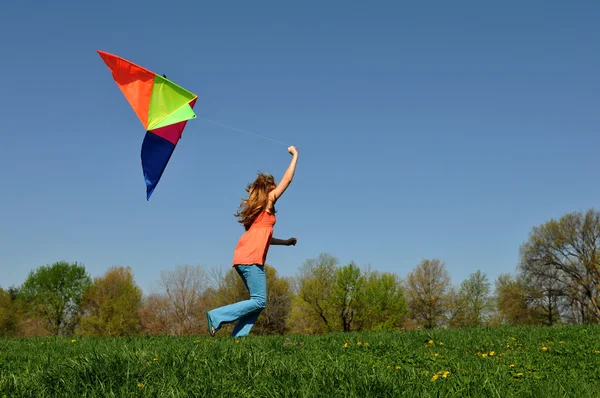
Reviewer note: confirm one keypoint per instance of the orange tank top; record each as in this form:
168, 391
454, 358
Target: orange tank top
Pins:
254, 244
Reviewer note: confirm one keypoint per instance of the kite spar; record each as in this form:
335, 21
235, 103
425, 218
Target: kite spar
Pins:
162, 106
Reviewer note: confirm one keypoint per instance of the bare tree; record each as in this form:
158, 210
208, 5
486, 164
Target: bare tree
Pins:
567, 252
184, 287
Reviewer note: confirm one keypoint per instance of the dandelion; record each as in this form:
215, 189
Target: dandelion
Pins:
388, 366
596, 352
435, 377
492, 353
512, 365
359, 343
441, 343
519, 374
140, 385
156, 359
562, 342
345, 345
544, 348
446, 374
73, 341
397, 367
237, 341
484, 355
430, 341
436, 355
367, 345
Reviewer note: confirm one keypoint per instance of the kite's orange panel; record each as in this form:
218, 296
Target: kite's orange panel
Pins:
134, 81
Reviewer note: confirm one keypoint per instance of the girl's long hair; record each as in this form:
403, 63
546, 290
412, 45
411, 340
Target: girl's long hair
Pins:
258, 196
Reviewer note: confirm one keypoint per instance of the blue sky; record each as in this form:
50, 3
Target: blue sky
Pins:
424, 130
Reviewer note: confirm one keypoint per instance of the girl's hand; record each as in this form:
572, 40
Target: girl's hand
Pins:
292, 241
293, 150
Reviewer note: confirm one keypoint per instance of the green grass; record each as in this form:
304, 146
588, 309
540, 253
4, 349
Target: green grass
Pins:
383, 364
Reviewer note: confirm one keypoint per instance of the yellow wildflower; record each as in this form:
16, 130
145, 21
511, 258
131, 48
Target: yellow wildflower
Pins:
140, 385
545, 348
397, 367
446, 374
512, 365
430, 341
492, 353
345, 345
359, 343
484, 355
72, 341
435, 355
434, 378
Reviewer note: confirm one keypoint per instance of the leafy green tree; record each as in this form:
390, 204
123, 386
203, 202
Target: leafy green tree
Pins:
382, 302
346, 294
111, 305
476, 299
55, 292
314, 287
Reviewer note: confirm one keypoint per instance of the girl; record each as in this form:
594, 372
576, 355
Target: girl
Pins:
257, 214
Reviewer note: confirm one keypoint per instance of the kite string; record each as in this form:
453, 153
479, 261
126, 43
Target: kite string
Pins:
243, 131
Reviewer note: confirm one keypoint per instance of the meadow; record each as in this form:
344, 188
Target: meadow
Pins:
483, 362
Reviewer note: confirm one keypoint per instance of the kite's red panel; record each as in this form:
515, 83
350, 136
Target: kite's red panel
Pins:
134, 81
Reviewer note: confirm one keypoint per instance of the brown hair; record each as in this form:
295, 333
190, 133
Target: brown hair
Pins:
258, 197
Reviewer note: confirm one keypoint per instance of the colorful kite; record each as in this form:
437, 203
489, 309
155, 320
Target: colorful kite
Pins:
163, 108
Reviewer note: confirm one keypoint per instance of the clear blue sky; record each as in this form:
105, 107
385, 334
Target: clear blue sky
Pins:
438, 129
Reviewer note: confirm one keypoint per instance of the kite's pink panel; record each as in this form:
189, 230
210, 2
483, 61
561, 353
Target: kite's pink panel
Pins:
172, 133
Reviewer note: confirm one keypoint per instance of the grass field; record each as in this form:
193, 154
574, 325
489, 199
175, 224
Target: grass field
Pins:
499, 362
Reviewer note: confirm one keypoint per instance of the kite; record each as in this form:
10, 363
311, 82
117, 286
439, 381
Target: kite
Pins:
162, 106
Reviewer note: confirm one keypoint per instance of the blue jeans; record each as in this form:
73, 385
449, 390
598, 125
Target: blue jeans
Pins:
244, 312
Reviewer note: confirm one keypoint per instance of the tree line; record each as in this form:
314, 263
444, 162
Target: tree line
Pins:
557, 281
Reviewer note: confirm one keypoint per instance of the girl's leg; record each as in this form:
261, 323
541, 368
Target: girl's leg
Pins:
255, 280
245, 324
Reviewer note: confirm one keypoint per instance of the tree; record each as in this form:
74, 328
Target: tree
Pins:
567, 251
8, 313
427, 289
55, 292
314, 287
184, 287
111, 305
346, 294
477, 303
382, 302
511, 300
155, 315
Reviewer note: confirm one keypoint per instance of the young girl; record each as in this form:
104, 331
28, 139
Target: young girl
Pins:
258, 217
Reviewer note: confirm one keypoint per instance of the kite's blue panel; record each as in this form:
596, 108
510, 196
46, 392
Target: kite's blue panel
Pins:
156, 152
